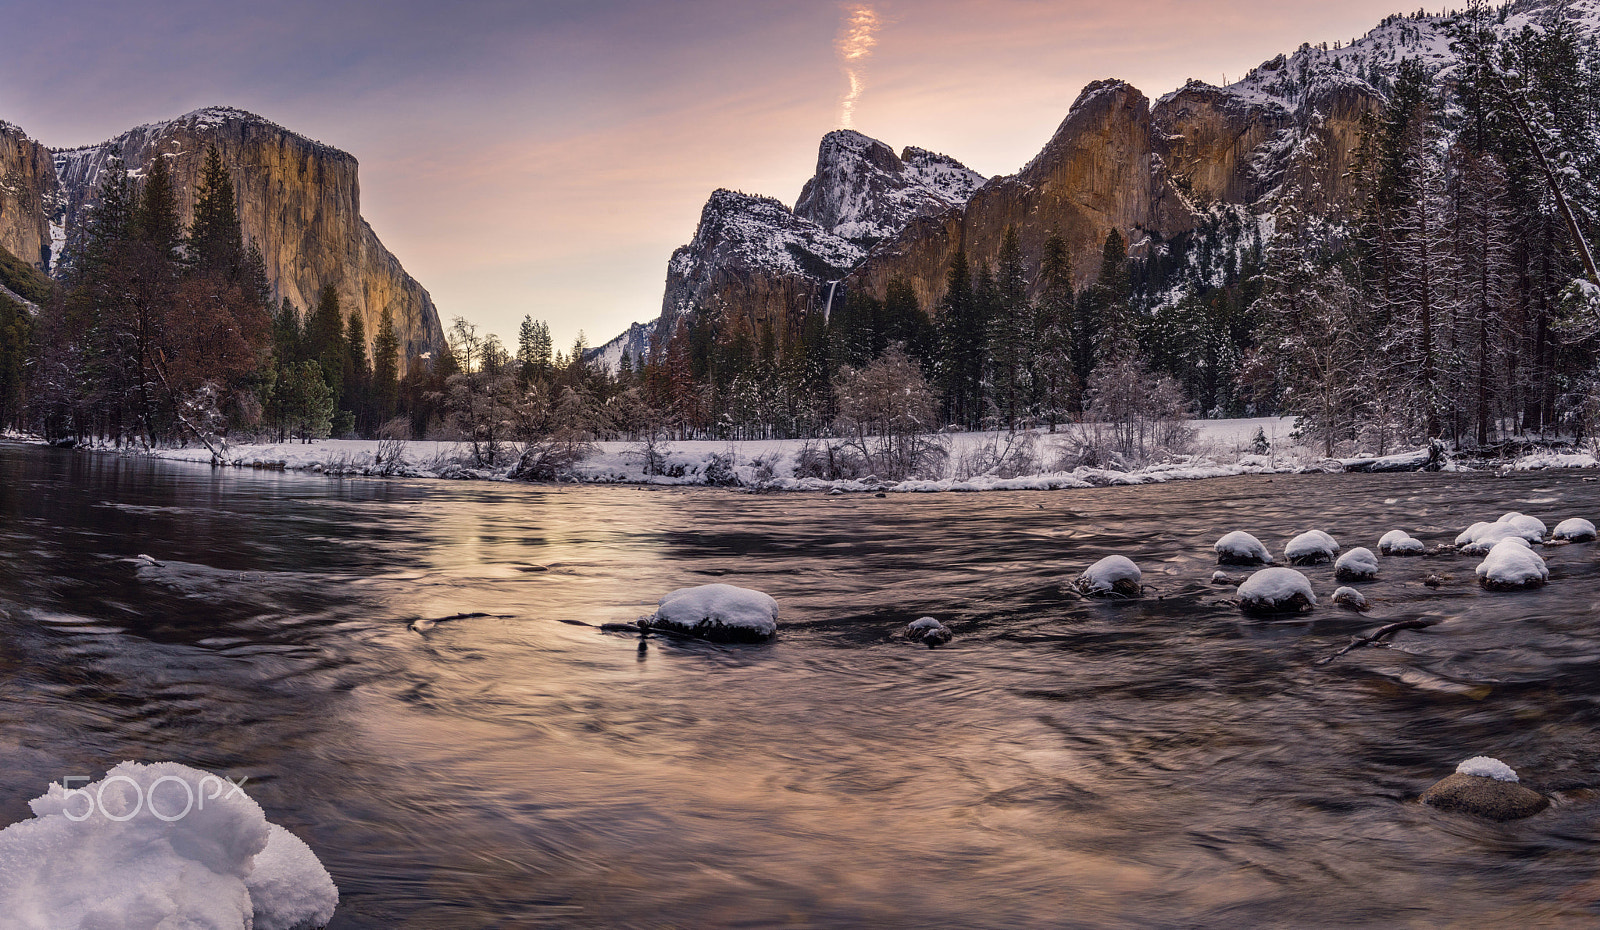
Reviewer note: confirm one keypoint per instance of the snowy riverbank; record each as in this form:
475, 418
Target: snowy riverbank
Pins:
1221, 448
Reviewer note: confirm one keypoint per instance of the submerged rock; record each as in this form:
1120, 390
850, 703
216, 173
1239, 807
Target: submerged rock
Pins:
1311, 548
722, 612
1276, 590
1223, 578
929, 632
1399, 542
1112, 576
1487, 788
1240, 548
1350, 599
1359, 564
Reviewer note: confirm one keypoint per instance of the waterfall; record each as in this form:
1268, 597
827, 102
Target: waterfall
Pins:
827, 310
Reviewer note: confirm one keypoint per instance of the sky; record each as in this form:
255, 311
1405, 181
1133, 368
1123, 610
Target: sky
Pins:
545, 157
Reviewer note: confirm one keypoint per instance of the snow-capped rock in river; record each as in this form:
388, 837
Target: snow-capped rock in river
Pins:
1112, 576
1359, 564
1481, 537
863, 192
1350, 599
1311, 547
1574, 529
1399, 542
1487, 788
1240, 548
1276, 590
928, 631
156, 846
722, 612
1512, 564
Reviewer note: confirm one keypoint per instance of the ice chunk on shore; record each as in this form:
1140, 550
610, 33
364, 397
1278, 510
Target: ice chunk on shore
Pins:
157, 846
1512, 564
1240, 548
1487, 767
1399, 542
1576, 529
1309, 547
1359, 564
718, 611
1114, 575
1276, 589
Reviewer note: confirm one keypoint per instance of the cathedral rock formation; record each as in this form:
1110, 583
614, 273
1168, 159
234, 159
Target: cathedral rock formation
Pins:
299, 203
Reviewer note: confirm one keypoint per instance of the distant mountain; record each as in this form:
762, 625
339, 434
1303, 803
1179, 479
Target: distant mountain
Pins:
299, 203
1153, 172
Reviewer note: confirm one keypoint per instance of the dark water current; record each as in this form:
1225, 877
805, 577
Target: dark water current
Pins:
1062, 764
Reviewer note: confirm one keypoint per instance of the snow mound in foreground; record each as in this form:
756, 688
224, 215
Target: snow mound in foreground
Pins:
1511, 564
1487, 767
1309, 547
1399, 542
1114, 575
1575, 529
155, 846
1481, 537
1359, 564
718, 611
1240, 548
1276, 589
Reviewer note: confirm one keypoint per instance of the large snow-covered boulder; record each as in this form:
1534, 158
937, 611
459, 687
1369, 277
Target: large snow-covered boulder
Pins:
1399, 542
1574, 529
1511, 564
1112, 576
721, 612
1240, 548
1359, 564
1481, 537
152, 847
1311, 548
1486, 788
1276, 590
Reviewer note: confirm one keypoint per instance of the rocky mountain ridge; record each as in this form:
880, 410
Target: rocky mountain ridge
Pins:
1117, 161
299, 203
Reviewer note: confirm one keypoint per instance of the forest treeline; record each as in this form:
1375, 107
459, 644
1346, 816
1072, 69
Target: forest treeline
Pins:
1454, 297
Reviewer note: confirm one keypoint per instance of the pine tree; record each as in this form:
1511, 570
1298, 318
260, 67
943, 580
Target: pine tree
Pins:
385, 369
1012, 338
358, 374
961, 343
156, 222
216, 240
1058, 388
325, 342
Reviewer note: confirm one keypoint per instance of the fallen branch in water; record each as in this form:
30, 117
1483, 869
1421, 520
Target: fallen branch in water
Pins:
1374, 638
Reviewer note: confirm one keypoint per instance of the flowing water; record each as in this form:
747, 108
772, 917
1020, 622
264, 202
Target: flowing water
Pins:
1063, 763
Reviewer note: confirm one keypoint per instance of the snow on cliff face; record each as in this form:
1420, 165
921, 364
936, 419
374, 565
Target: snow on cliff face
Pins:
863, 192
753, 233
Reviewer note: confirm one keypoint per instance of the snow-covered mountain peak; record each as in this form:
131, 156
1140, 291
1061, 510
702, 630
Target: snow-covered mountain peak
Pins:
864, 192
755, 232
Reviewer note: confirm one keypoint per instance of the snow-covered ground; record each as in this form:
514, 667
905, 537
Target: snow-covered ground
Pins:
1221, 448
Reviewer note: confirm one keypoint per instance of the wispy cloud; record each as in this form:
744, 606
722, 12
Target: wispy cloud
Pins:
858, 35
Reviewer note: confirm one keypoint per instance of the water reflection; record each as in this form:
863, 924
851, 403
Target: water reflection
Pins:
1166, 762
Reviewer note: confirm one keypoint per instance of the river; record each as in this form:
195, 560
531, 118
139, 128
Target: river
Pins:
1063, 763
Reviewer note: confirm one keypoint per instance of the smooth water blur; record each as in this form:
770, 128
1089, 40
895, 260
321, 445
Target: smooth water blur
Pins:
1063, 763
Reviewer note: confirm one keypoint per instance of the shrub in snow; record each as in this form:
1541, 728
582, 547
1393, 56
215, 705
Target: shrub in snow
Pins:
1350, 598
1311, 548
1487, 788
1511, 564
717, 611
1575, 529
928, 631
1112, 576
1276, 590
158, 846
1359, 564
1240, 548
1399, 542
